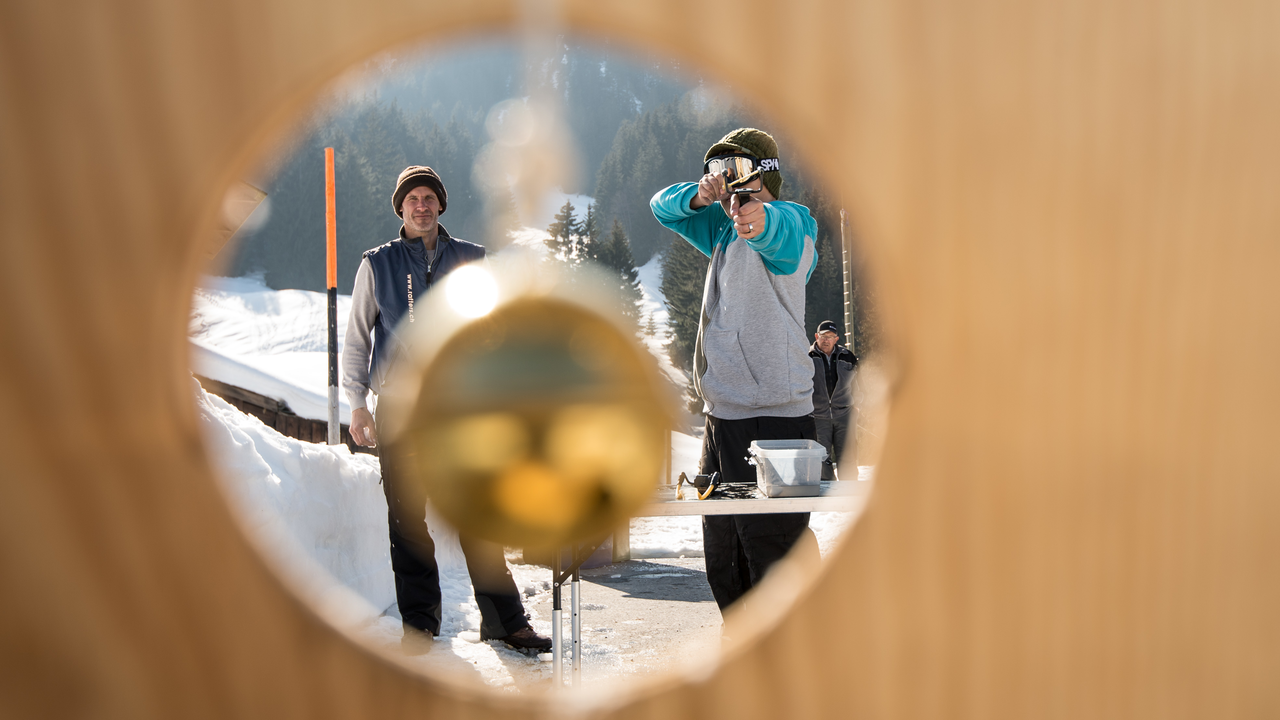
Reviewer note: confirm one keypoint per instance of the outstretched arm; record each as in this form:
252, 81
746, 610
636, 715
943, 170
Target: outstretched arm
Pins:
675, 208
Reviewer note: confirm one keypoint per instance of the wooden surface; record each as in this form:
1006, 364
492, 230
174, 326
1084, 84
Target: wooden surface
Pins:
1071, 211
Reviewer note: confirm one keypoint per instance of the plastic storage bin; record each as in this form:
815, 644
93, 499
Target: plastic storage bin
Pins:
788, 468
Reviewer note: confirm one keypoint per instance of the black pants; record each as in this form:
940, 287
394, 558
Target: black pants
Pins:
740, 549
832, 433
413, 560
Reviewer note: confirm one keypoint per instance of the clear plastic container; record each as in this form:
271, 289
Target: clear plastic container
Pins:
788, 468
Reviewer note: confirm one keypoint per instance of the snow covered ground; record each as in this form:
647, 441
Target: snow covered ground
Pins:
318, 514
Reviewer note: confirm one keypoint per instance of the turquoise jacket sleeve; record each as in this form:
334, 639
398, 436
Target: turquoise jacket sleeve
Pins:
781, 244
701, 227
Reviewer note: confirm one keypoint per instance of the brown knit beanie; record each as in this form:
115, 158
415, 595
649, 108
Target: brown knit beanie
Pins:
417, 176
756, 143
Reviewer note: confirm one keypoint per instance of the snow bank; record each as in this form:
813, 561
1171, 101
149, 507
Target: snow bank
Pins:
273, 342
319, 515
304, 501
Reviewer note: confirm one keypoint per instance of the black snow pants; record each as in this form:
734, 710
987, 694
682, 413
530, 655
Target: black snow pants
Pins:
740, 548
413, 560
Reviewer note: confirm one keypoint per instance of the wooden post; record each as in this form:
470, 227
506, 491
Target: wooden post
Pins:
622, 543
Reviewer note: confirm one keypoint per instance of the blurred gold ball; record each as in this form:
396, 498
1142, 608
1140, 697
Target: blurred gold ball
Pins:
537, 425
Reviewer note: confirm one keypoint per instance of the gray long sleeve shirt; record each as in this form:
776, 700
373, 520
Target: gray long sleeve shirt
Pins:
358, 343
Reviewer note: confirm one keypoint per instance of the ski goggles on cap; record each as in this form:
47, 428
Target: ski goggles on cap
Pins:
739, 168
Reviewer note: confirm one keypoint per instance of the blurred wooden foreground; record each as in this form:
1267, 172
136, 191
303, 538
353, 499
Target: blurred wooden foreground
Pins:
1071, 209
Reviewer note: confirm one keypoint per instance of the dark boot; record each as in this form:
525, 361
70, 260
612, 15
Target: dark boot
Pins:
526, 639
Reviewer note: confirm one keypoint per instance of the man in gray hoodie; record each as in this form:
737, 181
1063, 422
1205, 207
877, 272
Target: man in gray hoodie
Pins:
751, 361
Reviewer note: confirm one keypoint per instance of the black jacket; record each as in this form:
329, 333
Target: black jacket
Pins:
837, 402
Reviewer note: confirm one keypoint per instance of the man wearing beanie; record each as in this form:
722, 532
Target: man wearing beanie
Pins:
389, 278
833, 368
751, 361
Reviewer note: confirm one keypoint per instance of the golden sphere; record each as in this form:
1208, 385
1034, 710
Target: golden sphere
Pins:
537, 424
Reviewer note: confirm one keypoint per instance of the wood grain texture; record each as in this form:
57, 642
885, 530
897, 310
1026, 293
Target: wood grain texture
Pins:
1071, 213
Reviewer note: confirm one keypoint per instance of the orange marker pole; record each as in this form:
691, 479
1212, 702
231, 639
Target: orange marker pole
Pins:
331, 279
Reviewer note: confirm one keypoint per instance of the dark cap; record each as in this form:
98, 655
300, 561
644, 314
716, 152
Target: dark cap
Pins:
417, 176
828, 326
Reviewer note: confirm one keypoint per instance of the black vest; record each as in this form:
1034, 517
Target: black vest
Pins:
401, 278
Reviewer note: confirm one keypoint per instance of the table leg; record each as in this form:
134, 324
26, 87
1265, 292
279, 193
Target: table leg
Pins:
558, 577
557, 642
576, 625
622, 543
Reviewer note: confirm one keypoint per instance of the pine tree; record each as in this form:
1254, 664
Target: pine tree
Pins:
651, 326
615, 254
562, 230
588, 245
684, 272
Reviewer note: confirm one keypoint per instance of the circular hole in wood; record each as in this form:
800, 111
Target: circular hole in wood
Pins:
552, 158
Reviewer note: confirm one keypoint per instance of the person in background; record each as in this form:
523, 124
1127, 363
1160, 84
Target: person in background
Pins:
390, 276
750, 363
834, 366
